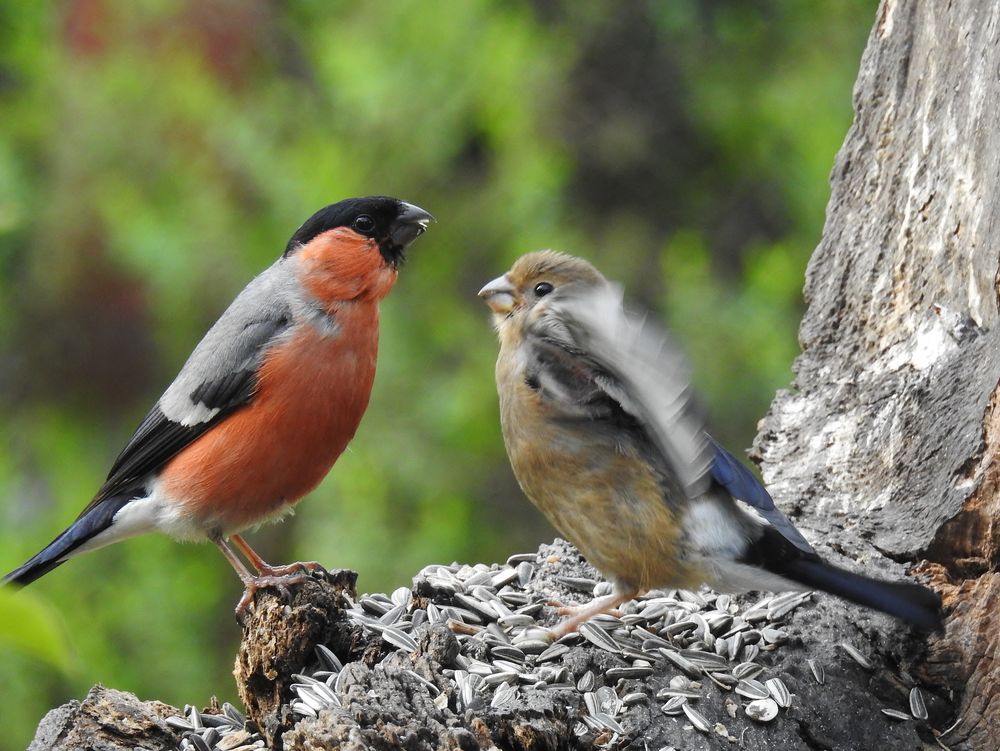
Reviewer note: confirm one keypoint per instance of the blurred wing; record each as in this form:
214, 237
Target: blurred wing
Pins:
219, 377
629, 362
743, 485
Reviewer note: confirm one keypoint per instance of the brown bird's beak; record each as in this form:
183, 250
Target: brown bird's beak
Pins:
499, 295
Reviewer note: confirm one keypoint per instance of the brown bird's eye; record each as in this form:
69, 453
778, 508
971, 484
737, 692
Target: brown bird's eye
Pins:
543, 288
364, 224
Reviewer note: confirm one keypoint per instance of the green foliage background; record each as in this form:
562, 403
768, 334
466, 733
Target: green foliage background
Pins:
155, 155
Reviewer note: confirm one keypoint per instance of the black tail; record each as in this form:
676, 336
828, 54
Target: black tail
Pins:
908, 601
93, 520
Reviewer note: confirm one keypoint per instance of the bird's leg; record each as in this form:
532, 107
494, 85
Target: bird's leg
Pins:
583, 613
266, 569
252, 583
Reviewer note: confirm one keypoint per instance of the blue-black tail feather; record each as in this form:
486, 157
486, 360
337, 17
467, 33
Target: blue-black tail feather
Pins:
93, 520
908, 601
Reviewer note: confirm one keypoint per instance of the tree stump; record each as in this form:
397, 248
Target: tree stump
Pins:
885, 447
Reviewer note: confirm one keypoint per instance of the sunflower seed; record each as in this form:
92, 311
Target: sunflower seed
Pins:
554, 652
602, 589
473, 605
855, 655
609, 722
734, 645
532, 646
608, 700
504, 676
587, 682
896, 714
598, 637
684, 664
392, 615
503, 577
747, 670
398, 638
326, 657
918, 707
504, 695
817, 670
696, 718
518, 619
434, 690
636, 697
479, 578
752, 689
774, 636
374, 606
614, 674
525, 571
674, 704
723, 680
779, 692
685, 693
762, 710
578, 583
402, 596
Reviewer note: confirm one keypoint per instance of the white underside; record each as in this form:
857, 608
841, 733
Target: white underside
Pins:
152, 513
158, 513
715, 530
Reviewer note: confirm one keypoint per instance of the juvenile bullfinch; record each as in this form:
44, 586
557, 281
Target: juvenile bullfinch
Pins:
264, 405
605, 438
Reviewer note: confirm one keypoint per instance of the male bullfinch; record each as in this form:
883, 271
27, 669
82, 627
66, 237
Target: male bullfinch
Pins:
605, 438
265, 404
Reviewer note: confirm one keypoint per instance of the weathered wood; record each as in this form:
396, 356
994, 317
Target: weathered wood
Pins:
107, 720
886, 445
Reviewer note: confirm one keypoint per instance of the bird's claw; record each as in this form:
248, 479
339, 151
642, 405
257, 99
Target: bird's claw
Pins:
280, 581
299, 568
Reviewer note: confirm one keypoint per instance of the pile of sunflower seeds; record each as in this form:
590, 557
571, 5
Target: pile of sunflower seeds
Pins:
505, 648
207, 732
498, 613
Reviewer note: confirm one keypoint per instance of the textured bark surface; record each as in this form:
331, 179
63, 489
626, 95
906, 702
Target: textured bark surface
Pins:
886, 446
107, 720
279, 639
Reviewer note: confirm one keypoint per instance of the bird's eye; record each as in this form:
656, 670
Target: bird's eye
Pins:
543, 288
364, 224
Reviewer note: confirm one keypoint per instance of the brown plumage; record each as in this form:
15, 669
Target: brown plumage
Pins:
606, 439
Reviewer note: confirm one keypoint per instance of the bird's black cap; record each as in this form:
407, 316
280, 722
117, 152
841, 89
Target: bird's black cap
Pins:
391, 222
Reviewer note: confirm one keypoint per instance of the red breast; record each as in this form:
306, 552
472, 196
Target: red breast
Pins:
312, 392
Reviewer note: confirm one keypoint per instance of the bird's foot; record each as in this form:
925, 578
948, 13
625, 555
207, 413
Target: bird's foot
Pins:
281, 582
572, 610
580, 614
299, 568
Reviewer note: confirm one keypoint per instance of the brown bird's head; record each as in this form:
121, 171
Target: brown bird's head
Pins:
533, 277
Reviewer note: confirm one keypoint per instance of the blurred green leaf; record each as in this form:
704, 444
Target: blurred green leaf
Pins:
33, 627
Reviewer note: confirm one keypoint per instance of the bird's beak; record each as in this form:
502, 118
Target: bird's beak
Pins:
410, 223
499, 295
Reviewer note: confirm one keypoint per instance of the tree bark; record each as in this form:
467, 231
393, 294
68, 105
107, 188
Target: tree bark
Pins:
886, 444
882, 452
